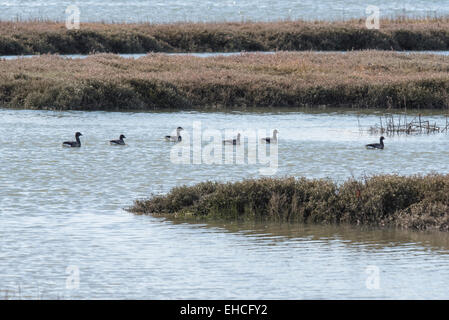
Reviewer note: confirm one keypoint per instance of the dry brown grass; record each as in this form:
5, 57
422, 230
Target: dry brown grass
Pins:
368, 79
415, 202
53, 37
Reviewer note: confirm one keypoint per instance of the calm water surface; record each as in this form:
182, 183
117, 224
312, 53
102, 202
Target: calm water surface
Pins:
139, 55
62, 208
207, 54
212, 10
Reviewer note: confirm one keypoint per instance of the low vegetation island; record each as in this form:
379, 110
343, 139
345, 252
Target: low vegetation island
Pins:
34, 37
359, 79
413, 202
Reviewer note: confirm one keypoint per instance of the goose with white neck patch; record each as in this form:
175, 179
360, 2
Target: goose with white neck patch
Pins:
233, 141
273, 139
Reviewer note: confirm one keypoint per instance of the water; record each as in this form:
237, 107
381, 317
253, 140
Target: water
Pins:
194, 54
211, 10
206, 54
61, 210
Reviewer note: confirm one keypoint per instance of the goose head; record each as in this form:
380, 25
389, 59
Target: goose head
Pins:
78, 134
122, 137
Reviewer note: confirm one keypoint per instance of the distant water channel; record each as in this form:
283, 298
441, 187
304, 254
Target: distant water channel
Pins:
210, 11
206, 54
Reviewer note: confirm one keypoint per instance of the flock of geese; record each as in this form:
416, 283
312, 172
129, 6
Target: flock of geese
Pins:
77, 142
178, 138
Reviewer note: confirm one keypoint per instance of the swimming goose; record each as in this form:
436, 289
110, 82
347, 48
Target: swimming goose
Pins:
376, 145
119, 141
73, 144
273, 139
176, 138
233, 141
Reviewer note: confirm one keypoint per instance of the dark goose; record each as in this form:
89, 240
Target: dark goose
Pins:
233, 141
73, 144
176, 138
119, 141
376, 145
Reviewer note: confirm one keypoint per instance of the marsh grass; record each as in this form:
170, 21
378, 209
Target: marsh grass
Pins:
364, 80
414, 202
391, 124
32, 37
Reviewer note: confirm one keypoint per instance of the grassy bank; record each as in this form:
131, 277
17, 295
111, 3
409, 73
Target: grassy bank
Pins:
367, 79
416, 202
53, 37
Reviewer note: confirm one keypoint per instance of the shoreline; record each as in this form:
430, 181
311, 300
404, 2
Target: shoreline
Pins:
34, 37
405, 202
107, 82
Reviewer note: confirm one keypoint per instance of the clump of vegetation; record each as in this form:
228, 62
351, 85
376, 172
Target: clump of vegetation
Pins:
414, 202
34, 37
366, 79
400, 124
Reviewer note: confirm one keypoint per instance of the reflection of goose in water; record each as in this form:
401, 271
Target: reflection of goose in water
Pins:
376, 145
273, 139
119, 141
177, 137
73, 144
233, 141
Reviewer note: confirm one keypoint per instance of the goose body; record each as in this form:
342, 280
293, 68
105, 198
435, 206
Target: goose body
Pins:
273, 139
233, 141
176, 138
73, 144
379, 145
119, 141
